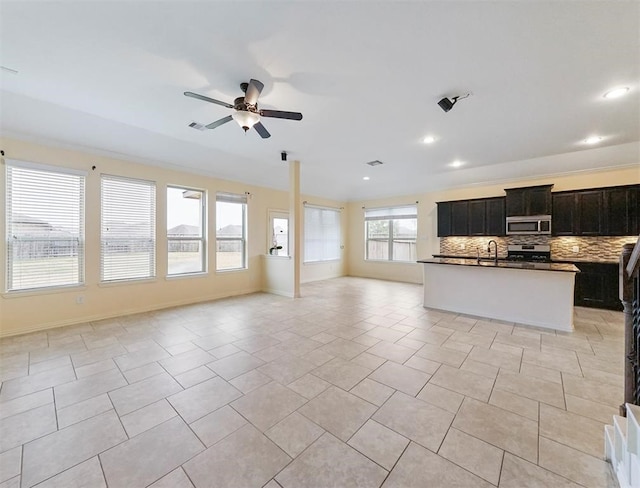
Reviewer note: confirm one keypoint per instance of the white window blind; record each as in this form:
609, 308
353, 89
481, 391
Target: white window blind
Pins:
390, 233
45, 226
321, 234
128, 229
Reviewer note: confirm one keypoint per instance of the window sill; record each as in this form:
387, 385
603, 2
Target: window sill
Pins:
184, 276
44, 291
275, 256
232, 270
389, 262
109, 284
322, 262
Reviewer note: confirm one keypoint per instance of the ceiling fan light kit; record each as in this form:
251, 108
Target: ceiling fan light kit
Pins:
246, 114
447, 104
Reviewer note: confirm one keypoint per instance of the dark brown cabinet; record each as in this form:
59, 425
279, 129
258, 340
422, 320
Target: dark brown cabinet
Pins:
596, 212
479, 217
533, 200
597, 286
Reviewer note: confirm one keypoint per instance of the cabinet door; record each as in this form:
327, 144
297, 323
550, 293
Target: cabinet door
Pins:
444, 219
621, 211
515, 203
460, 218
477, 218
597, 286
590, 206
538, 201
496, 225
563, 220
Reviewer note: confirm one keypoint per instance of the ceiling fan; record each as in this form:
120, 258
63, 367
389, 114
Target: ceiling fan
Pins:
246, 109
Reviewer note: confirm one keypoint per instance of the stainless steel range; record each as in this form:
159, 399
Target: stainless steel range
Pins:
529, 253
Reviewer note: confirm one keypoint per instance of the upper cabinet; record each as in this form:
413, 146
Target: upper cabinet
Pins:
532, 200
596, 212
480, 217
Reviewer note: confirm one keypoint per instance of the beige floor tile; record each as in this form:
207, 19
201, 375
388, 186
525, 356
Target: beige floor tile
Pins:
344, 349
294, 434
143, 372
593, 410
85, 388
482, 459
147, 417
348, 467
24, 403
146, 355
95, 368
442, 355
354, 412
481, 340
399, 377
176, 479
529, 342
186, 361
235, 365
217, 425
27, 426
372, 391
227, 462
410, 343
582, 468
50, 364
99, 354
418, 468
515, 403
369, 361
287, 369
417, 420
250, 381
441, 397
379, 444
344, 374
593, 390
148, 457
482, 369
493, 357
10, 463
61, 450
463, 382
25, 385
267, 405
552, 375
572, 430
566, 342
530, 387
143, 393
197, 401
518, 473
194, 376
88, 473
422, 364
393, 352
503, 429
309, 386
83, 410
429, 336
568, 362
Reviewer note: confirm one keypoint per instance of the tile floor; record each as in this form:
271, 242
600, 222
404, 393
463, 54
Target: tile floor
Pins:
355, 384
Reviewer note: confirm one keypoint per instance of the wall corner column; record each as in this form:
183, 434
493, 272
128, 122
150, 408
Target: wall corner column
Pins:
295, 219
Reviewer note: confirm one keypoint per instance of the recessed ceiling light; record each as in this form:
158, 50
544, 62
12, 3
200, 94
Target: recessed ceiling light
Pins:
366, 178
457, 164
429, 140
616, 92
593, 140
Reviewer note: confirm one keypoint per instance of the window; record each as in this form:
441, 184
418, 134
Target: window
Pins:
279, 233
186, 209
321, 234
45, 226
391, 233
231, 236
128, 229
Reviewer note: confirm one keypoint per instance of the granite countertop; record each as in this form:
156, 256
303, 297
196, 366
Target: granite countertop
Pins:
564, 261
503, 264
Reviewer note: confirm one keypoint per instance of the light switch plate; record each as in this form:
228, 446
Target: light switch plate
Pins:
576, 249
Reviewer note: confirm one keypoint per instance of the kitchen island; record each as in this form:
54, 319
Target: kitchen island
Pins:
538, 294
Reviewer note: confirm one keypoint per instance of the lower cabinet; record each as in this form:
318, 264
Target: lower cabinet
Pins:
597, 286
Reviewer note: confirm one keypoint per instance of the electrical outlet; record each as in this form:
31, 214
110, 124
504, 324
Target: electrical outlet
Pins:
575, 249
79, 299
463, 246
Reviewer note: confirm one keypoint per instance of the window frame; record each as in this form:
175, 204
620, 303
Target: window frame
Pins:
235, 198
203, 232
80, 249
391, 215
338, 248
152, 256
282, 215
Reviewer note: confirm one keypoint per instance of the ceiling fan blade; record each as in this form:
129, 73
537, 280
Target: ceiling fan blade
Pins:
260, 129
207, 99
279, 114
218, 123
253, 92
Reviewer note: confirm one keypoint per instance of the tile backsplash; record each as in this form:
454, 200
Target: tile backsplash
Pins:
562, 248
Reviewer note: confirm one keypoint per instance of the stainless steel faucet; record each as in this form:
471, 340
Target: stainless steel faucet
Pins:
495, 257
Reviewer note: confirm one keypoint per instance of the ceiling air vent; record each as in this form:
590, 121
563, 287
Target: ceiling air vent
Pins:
197, 125
375, 163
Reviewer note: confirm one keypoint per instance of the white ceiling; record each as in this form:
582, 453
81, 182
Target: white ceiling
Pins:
109, 77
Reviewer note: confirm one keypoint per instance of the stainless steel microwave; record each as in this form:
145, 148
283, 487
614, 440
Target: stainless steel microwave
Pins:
529, 225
